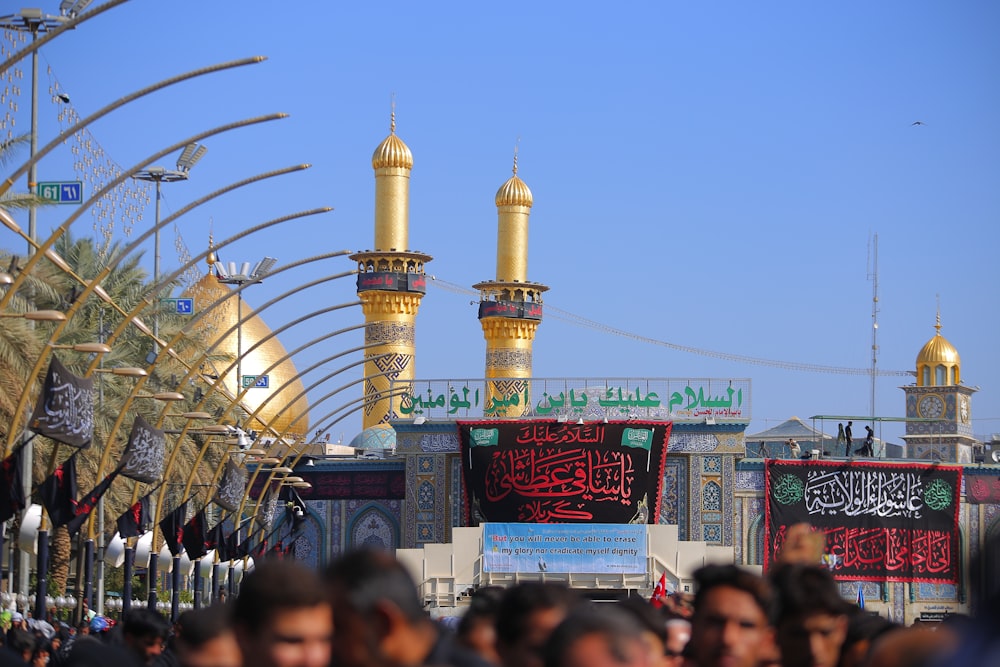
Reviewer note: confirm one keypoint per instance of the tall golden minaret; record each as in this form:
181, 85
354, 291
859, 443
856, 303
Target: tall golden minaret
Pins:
391, 283
510, 308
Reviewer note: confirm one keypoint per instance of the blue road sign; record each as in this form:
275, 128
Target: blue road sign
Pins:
255, 381
61, 192
184, 306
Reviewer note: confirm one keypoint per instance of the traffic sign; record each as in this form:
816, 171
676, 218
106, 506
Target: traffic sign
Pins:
61, 192
255, 381
182, 306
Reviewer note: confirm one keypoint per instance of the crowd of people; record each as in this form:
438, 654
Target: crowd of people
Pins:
363, 610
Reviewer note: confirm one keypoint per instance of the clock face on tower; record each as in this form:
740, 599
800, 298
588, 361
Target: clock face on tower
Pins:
930, 406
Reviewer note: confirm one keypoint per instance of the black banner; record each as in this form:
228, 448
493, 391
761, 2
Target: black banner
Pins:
172, 527
143, 458
65, 410
58, 492
12, 499
83, 507
194, 536
558, 472
354, 484
882, 521
134, 521
232, 486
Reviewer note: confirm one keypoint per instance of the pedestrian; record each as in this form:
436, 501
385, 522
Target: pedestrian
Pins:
868, 448
812, 616
848, 438
794, 449
595, 636
282, 617
842, 439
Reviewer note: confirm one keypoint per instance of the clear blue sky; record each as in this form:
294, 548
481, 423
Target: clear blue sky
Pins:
705, 174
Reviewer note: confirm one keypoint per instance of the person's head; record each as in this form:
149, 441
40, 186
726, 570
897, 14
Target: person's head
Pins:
205, 638
652, 626
477, 628
732, 621
528, 614
40, 656
282, 617
597, 636
22, 642
862, 630
812, 616
678, 636
143, 633
378, 614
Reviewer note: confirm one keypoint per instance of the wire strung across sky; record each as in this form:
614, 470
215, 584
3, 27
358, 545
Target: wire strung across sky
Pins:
579, 321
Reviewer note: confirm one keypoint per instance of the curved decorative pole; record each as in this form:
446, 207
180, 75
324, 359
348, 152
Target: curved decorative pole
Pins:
23, 169
68, 25
65, 226
166, 347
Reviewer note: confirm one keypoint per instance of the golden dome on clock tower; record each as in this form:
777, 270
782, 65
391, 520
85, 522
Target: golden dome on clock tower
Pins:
938, 363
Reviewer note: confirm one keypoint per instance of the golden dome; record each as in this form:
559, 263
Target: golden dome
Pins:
938, 350
514, 192
392, 152
277, 414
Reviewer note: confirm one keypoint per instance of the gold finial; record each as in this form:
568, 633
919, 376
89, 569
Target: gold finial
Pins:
516, 143
937, 324
211, 259
392, 123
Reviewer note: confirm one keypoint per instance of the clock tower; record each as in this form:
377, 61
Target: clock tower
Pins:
940, 404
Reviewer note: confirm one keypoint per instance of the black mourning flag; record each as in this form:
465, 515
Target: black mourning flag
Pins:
217, 540
173, 529
194, 536
143, 458
134, 521
65, 410
231, 488
12, 499
87, 504
58, 493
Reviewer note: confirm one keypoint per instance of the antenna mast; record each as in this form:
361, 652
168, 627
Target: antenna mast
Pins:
873, 276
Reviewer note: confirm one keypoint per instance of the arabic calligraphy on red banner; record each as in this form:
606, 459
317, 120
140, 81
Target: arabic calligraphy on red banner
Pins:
882, 522
560, 472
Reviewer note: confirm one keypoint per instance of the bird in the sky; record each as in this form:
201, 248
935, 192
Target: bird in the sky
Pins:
918, 122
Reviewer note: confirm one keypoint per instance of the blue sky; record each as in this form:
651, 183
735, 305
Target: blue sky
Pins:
704, 174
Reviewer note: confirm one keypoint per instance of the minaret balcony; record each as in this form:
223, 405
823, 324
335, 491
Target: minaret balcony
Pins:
525, 310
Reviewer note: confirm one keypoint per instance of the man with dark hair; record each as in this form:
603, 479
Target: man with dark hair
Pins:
732, 621
477, 629
812, 616
143, 633
205, 638
528, 614
282, 617
597, 636
379, 619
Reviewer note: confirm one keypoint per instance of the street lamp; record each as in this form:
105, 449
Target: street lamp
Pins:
240, 277
189, 157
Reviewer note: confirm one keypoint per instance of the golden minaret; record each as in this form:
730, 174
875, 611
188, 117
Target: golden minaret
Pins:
391, 283
510, 307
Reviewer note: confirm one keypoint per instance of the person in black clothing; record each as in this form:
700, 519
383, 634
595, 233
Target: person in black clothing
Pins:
848, 436
868, 448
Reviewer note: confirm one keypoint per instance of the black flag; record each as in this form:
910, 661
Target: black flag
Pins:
12, 498
86, 505
134, 521
194, 535
65, 410
143, 458
173, 529
58, 492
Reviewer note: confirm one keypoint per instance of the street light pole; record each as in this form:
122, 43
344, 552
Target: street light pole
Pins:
159, 175
240, 277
